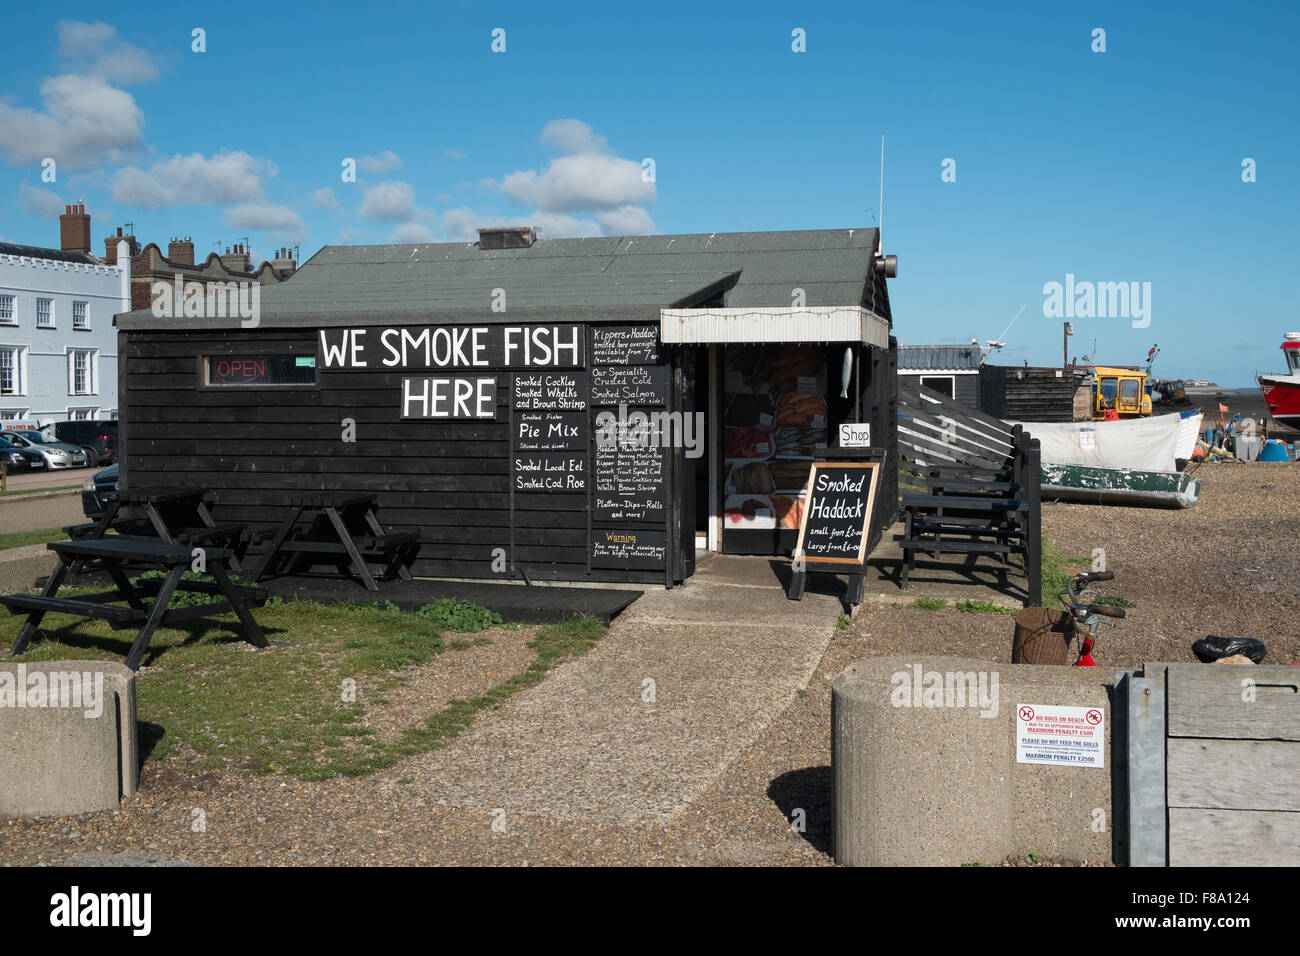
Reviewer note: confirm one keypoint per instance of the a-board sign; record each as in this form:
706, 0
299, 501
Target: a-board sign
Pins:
855, 435
628, 548
624, 345
629, 385
837, 512
1061, 736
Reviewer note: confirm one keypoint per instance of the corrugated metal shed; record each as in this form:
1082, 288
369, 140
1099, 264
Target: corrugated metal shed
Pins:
932, 358
611, 278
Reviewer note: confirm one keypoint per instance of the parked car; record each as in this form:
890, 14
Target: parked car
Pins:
96, 436
20, 459
94, 492
57, 454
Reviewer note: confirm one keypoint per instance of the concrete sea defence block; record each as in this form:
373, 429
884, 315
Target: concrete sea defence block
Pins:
938, 784
68, 741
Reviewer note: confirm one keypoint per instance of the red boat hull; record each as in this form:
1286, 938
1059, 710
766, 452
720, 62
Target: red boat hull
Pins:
1282, 393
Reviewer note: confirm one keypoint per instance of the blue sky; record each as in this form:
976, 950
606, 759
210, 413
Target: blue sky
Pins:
1115, 166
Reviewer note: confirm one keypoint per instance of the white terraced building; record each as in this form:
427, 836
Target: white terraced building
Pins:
58, 346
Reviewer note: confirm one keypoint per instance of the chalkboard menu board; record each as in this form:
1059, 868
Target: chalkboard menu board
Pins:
551, 391
837, 512
555, 472
549, 431
629, 385
625, 548
624, 345
629, 482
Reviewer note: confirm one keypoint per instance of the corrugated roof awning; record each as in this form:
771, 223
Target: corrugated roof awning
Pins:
840, 323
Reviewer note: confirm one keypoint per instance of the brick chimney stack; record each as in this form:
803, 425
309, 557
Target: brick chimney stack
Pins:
284, 263
181, 251
74, 229
110, 246
236, 261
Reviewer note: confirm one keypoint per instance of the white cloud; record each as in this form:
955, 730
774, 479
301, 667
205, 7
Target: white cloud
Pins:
40, 202
381, 162
578, 182
573, 136
324, 199
626, 221
392, 201
85, 121
411, 232
281, 221
453, 154
193, 180
94, 49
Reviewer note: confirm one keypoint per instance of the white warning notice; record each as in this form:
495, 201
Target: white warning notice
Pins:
1064, 736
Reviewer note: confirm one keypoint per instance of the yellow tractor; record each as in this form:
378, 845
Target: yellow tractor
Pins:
1120, 393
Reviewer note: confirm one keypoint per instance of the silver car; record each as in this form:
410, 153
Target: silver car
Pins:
57, 454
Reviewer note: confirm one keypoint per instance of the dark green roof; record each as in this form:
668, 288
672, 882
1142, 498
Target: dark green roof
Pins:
617, 278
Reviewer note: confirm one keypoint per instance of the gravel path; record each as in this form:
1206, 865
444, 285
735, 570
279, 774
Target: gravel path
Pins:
1189, 572
636, 728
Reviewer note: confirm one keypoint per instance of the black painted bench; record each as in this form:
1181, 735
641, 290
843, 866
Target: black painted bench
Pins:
116, 554
980, 481
327, 534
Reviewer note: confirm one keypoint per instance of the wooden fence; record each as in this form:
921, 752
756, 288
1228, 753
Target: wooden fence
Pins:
1212, 759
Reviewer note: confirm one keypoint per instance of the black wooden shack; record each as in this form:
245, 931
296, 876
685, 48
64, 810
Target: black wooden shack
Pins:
474, 387
952, 370
1028, 394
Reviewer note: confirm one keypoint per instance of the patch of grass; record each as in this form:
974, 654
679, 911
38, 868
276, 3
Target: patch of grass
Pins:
19, 539
929, 604
460, 616
288, 709
984, 607
554, 643
1114, 600
1054, 573
973, 863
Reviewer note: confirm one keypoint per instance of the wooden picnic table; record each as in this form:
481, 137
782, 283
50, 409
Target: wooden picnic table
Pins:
161, 508
327, 533
116, 553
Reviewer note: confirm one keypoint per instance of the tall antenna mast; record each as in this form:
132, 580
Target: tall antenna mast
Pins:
881, 207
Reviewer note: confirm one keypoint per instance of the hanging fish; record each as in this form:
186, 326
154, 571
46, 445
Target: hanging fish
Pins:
847, 374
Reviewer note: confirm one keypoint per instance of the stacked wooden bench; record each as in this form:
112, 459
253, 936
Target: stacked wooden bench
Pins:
974, 486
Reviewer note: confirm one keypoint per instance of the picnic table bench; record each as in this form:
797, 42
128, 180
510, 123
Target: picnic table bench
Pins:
115, 554
165, 513
326, 533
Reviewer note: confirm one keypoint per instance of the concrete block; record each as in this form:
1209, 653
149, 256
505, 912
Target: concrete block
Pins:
940, 785
68, 741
